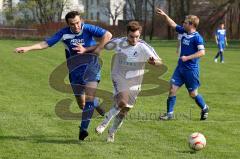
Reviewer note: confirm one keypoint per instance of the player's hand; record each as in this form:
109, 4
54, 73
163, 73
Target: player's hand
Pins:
185, 58
80, 49
160, 12
21, 49
151, 61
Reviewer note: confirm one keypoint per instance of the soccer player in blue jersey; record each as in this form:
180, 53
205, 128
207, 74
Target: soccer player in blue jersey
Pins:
221, 40
84, 69
187, 70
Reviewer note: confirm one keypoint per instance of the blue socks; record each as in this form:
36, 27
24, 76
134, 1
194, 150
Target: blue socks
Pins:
172, 100
87, 115
171, 103
200, 101
95, 102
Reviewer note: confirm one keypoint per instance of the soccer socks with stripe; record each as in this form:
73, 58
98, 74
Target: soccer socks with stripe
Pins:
87, 115
170, 104
118, 120
111, 114
96, 102
200, 101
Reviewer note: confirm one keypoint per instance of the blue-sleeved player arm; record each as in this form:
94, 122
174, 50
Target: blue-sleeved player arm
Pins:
200, 43
95, 30
180, 29
54, 39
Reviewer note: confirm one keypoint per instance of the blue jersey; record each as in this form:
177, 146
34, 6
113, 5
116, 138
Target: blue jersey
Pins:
221, 35
190, 44
70, 39
83, 68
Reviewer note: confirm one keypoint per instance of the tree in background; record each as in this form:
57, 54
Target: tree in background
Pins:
39, 11
134, 9
114, 11
223, 10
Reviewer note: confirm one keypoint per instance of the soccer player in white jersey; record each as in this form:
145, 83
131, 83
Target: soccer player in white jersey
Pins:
84, 70
127, 73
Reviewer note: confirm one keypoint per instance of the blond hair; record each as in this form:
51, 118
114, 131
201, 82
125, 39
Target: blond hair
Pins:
193, 20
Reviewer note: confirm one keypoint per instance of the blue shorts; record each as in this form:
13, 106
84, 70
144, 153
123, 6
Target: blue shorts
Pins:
188, 77
83, 74
221, 46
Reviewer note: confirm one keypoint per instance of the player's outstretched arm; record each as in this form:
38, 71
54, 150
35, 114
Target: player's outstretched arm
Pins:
168, 19
38, 46
104, 40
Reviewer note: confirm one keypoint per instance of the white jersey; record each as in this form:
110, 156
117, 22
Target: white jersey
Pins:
128, 65
129, 60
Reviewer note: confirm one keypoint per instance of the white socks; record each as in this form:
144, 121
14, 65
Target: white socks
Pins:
111, 114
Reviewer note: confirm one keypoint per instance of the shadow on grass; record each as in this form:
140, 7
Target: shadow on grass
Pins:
188, 152
42, 139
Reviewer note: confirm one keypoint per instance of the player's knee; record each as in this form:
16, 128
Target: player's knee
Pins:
193, 94
172, 92
81, 104
89, 98
122, 104
124, 111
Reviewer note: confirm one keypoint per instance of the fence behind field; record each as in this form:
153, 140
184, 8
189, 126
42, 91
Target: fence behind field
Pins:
41, 31
18, 33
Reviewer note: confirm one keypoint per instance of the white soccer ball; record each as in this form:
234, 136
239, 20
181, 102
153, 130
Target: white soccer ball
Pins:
197, 141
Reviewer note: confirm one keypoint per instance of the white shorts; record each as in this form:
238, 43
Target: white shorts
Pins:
132, 87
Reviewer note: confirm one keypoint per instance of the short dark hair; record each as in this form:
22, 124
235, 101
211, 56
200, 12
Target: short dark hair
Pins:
221, 22
134, 26
72, 14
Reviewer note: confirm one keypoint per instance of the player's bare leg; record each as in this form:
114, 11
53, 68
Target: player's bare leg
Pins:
117, 122
90, 91
80, 101
121, 100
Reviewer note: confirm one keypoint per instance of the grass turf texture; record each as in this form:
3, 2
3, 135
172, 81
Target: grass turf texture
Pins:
30, 128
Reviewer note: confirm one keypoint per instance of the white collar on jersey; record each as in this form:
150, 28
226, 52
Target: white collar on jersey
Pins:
80, 33
186, 35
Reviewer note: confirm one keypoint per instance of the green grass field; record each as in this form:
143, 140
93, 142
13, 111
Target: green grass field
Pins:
30, 127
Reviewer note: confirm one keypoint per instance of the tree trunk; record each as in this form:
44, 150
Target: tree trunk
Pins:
145, 20
153, 20
238, 32
230, 23
169, 13
139, 9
